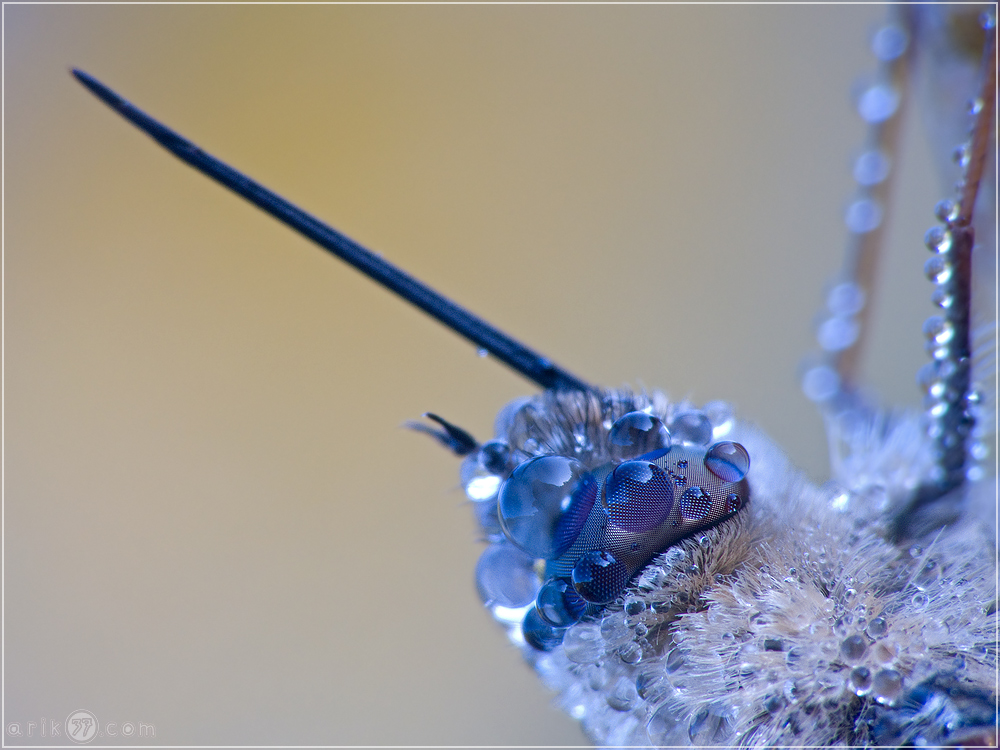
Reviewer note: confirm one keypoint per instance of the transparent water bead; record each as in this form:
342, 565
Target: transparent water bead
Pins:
871, 168
637, 433
559, 604
638, 496
890, 42
505, 577
730, 462
695, 503
622, 696
937, 238
887, 686
878, 103
532, 500
598, 577
861, 680
539, 634
664, 727
691, 427
863, 216
838, 333
583, 645
853, 648
938, 269
846, 298
820, 383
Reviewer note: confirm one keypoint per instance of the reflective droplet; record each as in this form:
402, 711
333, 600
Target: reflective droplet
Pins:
482, 487
638, 496
691, 427
863, 216
710, 726
630, 653
853, 648
861, 680
598, 577
919, 601
942, 298
871, 168
569, 525
494, 455
539, 634
887, 686
637, 433
961, 155
733, 503
837, 333
937, 238
634, 606
720, 414
532, 500
652, 686
663, 727
938, 269
730, 462
889, 43
505, 576
695, 503
615, 631
559, 604
482, 352
845, 298
583, 645
878, 103
820, 383
674, 661
622, 696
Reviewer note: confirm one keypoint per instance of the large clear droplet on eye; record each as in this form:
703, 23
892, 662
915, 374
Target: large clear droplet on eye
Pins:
569, 525
505, 577
598, 577
637, 433
532, 500
559, 604
730, 462
638, 496
691, 427
695, 504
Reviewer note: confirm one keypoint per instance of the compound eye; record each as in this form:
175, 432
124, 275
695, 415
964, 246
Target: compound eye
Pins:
730, 462
599, 577
638, 496
533, 500
637, 433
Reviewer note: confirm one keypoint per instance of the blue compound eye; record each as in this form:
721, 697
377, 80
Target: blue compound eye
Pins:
598, 577
637, 433
638, 496
533, 500
730, 462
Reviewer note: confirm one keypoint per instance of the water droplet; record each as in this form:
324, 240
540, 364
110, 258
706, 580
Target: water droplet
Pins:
695, 504
938, 269
773, 644
861, 680
871, 168
652, 686
877, 628
853, 648
559, 604
720, 414
794, 657
730, 462
634, 606
630, 653
937, 238
961, 155
482, 487
614, 630
691, 427
598, 577
637, 433
710, 726
494, 456
878, 103
505, 576
638, 496
583, 645
532, 500
481, 352
674, 661
919, 601
820, 383
890, 42
622, 696
887, 686
733, 503
928, 574
945, 210
942, 298
845, 298
837, 333
774, 703
863, 216
988, 19
539, 634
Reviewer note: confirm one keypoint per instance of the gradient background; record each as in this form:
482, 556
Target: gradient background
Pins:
214, 523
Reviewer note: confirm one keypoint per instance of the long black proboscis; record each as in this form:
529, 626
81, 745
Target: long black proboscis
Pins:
528, 363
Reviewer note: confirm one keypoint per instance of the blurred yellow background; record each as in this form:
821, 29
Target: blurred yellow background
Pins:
214, 523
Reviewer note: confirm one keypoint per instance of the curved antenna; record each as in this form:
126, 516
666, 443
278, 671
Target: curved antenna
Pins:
511, 352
